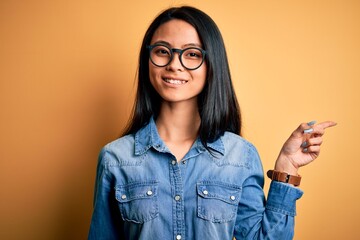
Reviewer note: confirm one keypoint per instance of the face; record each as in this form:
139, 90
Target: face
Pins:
174, 83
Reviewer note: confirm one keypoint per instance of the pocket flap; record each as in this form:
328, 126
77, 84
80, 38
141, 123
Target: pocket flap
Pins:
228, 193
133, 191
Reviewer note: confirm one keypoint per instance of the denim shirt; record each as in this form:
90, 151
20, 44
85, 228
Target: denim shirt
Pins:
142, 192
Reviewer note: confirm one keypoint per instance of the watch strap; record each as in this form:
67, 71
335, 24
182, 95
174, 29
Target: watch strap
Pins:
284, 177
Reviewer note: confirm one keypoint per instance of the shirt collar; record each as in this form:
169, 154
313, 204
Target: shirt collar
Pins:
148, 137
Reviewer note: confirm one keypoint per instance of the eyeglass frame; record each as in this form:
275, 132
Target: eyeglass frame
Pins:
174, 50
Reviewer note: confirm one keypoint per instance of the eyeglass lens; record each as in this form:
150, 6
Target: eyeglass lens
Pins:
190, 58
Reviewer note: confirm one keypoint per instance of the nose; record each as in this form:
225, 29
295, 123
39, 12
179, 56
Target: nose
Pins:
175, 63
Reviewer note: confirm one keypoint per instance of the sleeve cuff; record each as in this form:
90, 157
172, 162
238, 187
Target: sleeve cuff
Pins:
282, 198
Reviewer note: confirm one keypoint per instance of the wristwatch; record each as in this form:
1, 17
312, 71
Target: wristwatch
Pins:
284, 177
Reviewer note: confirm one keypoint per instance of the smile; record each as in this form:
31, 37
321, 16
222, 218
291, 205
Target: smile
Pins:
174, 81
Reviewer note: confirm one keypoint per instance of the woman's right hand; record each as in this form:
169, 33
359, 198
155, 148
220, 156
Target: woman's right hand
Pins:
302, 147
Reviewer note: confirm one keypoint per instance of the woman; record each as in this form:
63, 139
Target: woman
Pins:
181, 169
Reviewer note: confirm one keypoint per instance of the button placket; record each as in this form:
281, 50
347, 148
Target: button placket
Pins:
178, 206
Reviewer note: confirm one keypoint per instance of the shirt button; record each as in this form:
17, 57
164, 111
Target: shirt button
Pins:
173, 162
178, 237
233, 198
123, 197
177, 198
149, 193
205, 192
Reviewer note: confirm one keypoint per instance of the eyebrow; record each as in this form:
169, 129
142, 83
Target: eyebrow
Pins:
186, 45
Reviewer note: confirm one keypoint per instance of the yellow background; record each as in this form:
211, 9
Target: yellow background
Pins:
67, 71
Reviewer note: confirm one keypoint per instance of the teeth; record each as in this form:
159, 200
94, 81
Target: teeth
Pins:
174, 81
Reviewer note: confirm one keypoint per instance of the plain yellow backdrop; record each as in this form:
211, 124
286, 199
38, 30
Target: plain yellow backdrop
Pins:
67, 71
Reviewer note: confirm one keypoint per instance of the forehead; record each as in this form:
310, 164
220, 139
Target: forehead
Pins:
177, 33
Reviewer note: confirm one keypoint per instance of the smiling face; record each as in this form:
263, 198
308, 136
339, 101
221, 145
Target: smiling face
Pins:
174, 83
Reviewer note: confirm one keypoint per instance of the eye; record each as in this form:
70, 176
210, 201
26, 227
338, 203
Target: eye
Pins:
193, 53
161, 51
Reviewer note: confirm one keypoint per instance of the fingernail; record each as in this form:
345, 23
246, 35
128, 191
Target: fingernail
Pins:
304, 144
305, 150
311, 123
310, 130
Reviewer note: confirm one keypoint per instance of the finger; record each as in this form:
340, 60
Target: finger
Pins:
318, 132
312, 149
311, 128
308, 127
312, 141
304, 128
326, 124
319, 129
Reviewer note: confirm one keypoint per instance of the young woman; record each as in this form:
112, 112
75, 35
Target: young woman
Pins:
182, 170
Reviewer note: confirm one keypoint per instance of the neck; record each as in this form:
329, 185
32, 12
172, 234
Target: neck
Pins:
178, 122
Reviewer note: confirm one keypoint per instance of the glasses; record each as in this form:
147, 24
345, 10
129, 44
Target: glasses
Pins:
190, 58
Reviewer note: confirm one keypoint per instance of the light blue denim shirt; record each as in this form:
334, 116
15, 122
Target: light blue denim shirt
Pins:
142, 192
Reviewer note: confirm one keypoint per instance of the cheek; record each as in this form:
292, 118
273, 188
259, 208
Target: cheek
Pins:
154, 75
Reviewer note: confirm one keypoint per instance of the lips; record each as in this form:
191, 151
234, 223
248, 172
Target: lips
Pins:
174, 81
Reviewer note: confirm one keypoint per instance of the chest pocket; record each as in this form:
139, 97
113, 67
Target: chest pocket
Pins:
217, 201
138, 202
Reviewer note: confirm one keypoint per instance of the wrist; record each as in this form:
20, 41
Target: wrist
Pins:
283, 164
284, 177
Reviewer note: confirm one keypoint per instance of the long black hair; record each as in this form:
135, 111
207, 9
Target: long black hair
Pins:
217, 103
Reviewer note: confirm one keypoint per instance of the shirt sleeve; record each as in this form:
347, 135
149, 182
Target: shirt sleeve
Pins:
106, 222
261, 219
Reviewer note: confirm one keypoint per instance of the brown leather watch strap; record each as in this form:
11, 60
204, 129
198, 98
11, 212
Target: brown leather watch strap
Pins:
284, 177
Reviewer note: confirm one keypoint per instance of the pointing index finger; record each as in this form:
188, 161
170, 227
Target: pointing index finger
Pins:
326, 124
